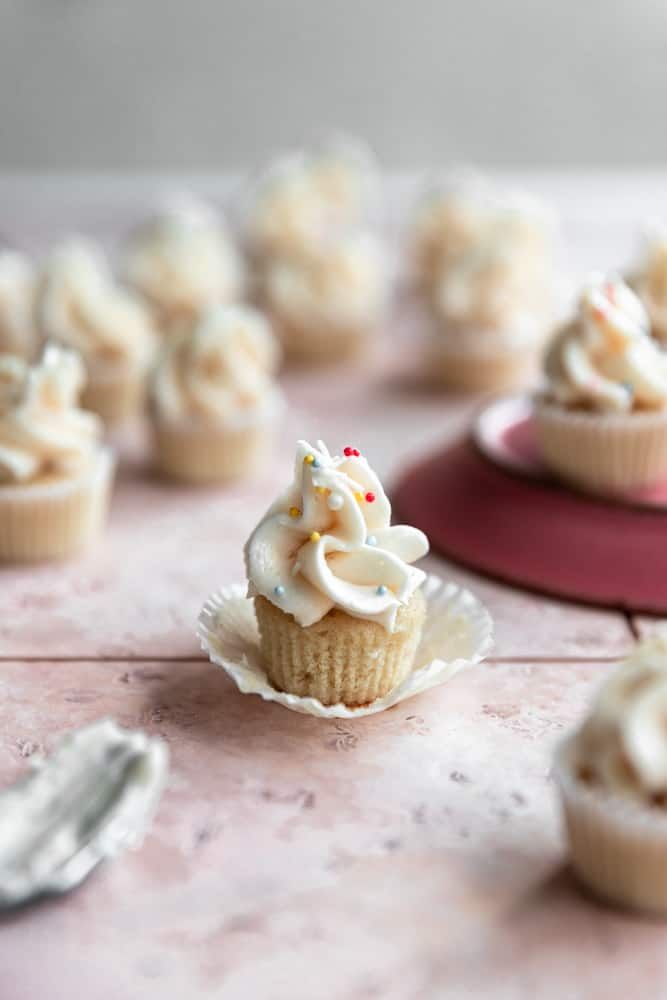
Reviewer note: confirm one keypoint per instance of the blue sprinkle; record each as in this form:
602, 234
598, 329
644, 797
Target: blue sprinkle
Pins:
371, 540
628, 388
279, 590
315, 464
381, 590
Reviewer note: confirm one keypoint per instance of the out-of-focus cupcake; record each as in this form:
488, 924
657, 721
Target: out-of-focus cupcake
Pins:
308, 196
182, 262
18, 333
339, 607
612, 775
214, 402
80, 306
327, 303
602, 419
55, 477
492, 297
649, 280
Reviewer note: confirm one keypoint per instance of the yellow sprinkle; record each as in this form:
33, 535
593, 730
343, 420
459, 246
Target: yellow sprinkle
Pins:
309, 459
359, 496
322, 490
315, 536
294, 512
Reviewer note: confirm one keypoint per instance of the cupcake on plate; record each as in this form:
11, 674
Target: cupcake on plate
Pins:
328, 303
80, 306
55, 477
214, 402
612, 775
492, 295
18, 334
602, 419
649, 281
309, 195
339, 607
182, 262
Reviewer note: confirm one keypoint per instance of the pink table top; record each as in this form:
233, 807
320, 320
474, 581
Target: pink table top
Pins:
414, 854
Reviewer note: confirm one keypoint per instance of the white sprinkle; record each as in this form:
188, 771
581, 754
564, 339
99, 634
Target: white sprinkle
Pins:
335, 501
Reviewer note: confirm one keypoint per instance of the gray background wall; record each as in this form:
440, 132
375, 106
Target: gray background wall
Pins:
203, 84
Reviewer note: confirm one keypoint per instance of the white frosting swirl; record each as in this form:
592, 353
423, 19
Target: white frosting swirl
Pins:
221, 371
80, 306
42, 431
309, 195
183, 262
622, 745
606, 360
650, 281
17, 300
327, 543
337, 284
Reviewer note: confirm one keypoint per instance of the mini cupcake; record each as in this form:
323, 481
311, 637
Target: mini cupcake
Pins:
81, 307
183, 262
339, 607
602, 420
492, 296
308, 196
649, 281
214, 403
55, 478
328, 303
612, 775
18, 334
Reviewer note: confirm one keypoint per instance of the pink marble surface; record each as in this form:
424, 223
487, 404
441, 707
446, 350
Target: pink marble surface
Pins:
415, 854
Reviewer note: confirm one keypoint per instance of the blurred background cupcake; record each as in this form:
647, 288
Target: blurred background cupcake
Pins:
18, 333
182, 262
80, 306
214, 402
649, 279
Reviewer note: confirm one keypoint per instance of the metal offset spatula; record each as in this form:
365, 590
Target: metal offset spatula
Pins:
92, 798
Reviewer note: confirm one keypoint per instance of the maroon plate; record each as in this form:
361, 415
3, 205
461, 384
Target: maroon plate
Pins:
504, 431
529, 531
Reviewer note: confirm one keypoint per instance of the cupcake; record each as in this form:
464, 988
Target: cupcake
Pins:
339, 607
310, 195
328, 303
214, 403
649, 281
18, 334
602, 419
491, 296
55, 477
80, 306
183, 262
612, 776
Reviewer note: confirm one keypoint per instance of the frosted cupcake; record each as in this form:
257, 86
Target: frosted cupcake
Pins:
18, 334
55, 477
649, 281
492, 297
81, 307
612, 775
214, 402
327, 304
183, 262
602, 420
309, 196
339, 607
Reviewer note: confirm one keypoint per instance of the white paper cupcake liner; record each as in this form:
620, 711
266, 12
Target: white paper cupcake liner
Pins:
618, 847
457, 633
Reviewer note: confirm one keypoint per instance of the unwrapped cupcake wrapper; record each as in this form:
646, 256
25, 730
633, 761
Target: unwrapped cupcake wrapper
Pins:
603, 453
115, 393
54, 519
208, 453
473, 371
618, 846
339, 659
322, 344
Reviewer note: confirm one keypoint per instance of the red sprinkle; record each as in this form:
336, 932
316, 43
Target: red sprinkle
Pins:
351, 451
370, 497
